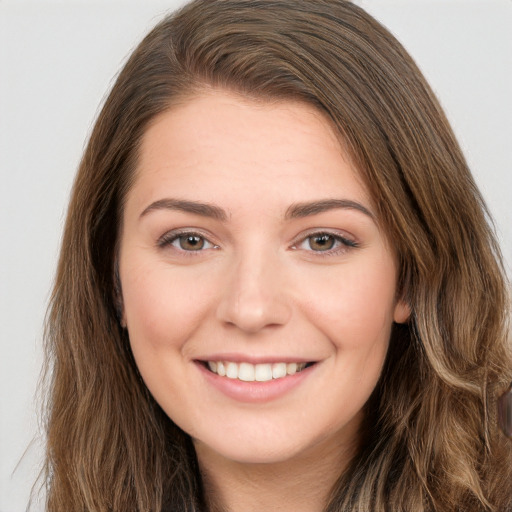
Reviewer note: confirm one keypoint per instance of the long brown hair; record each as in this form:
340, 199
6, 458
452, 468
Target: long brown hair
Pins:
430, 442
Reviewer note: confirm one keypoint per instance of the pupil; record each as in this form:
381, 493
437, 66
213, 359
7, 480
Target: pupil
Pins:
322, 242
191, 242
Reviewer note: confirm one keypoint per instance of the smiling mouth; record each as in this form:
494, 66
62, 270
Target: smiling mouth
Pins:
248, 372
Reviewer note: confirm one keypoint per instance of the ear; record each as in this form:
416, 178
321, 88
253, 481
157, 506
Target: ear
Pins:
119, 305
118, 297
122, 318
402, 312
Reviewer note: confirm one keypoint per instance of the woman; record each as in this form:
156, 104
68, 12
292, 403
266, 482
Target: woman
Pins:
278, 288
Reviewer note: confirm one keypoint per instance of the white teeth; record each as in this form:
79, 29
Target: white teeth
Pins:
221, 369
248, 372
263, 372
291, 368
278, 370
232, 371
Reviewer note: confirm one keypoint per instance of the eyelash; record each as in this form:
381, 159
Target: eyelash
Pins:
341, 243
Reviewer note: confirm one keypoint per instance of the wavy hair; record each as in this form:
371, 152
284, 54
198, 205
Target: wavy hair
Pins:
431, 442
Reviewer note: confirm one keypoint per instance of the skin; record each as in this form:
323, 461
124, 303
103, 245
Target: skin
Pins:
261, 288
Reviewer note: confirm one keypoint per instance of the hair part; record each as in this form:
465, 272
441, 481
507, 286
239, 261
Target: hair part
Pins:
431, 441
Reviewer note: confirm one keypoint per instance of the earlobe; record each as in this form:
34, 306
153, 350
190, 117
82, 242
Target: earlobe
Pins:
402, 312
120, 312
122, 319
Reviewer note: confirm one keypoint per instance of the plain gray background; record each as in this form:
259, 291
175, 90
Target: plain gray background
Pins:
57, 60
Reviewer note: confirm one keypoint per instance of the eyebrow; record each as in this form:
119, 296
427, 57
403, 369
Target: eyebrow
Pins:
195, 207
295, 211
306, 209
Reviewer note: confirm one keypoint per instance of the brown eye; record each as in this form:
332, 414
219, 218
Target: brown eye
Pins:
191, 242
322, 242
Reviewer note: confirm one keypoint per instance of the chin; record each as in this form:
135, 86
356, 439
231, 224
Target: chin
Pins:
249, 453
272, 446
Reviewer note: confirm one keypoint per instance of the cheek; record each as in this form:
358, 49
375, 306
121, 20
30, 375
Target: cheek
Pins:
161, 307
354, 305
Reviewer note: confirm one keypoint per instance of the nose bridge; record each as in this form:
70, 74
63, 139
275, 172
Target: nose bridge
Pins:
254, 296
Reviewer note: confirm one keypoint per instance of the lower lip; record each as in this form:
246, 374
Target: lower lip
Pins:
255, 392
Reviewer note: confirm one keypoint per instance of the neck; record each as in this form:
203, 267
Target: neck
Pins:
302, 484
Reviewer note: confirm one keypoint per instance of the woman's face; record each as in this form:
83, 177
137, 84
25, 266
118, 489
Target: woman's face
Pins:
258, 290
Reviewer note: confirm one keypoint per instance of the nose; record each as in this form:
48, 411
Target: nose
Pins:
255, 295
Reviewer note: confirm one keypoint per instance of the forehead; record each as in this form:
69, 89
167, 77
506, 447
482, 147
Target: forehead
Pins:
220, 135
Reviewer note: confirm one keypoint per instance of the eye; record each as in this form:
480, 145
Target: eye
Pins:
186, 241
325, 243
321, 242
